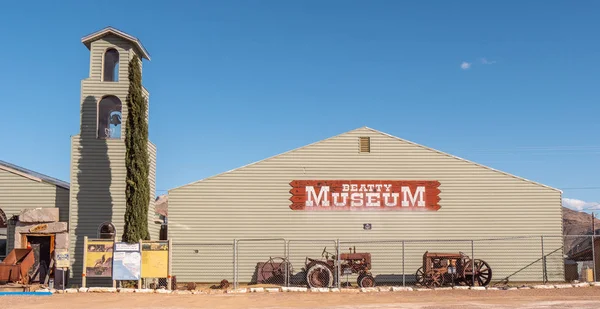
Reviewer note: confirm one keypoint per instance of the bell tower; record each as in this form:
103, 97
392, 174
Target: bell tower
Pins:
98, 174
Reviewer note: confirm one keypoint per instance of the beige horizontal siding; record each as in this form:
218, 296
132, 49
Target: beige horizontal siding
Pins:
18, 192
10, 241
253, 201
99, 47
92, 93
98, 190
153, 228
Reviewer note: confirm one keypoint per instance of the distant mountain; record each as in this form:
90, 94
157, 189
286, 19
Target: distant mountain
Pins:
161, 205
578, 223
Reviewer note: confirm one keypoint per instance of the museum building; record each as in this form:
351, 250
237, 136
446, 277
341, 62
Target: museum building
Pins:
367, 189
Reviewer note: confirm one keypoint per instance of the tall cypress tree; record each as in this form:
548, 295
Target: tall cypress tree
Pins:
137, 189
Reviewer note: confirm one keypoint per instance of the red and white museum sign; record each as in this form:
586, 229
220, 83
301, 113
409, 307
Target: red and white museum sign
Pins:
378, 195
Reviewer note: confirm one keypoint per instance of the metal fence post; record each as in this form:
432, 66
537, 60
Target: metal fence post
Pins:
338, 270
593, 258
286, 250
403, 273
235, 278
473, 262
544, 280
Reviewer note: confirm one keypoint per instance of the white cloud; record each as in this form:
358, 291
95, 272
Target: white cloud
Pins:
579, 204
465, 65
485, 61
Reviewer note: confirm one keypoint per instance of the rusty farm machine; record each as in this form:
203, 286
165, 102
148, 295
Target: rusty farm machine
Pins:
452, 268
319, 273
438, 269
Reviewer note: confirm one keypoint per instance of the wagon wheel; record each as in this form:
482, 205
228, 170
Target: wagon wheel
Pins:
482, 273
365, 281
319, 276
274, 270
433, 280
419, 275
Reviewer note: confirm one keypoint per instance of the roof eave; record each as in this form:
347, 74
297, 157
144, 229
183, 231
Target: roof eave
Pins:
88, 39
57, 183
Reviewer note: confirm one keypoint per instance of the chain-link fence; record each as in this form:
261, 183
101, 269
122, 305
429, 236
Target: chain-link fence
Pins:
299, 251
390, 262
206, 264
260, 261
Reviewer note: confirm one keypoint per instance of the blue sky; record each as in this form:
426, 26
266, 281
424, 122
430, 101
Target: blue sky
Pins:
508, 84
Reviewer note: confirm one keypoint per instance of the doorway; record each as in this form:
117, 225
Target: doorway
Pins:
43, 247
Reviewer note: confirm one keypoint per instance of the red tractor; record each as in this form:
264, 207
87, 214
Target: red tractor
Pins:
320, 273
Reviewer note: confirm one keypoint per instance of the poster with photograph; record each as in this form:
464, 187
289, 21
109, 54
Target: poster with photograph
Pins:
155, 259
127, 261
99, 255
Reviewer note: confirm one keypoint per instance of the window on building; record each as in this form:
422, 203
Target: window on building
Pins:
106, 230
111, 66
365, 144
109, 117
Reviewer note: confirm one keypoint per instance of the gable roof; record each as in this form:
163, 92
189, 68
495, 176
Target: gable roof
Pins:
464, 160
88, 39
35, 176
385, 134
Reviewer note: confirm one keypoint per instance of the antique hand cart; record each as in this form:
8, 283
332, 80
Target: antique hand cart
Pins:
452, 268
320, 273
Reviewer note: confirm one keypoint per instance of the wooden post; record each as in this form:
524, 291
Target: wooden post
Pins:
83, 278
112, 270
140, 280
170, 264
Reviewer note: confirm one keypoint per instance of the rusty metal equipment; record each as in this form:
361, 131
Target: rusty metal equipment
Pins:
320, 273
15, 267
276, 270
452, 268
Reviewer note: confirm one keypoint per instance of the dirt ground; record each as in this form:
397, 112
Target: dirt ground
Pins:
582, 298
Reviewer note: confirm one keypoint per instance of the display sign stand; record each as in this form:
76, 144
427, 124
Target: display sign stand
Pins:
83, 278
127, 254
83, 273
169, 277
139, 286
158, 261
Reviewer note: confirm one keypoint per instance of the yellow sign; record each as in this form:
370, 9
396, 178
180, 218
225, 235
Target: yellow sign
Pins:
99, 256
155, 259
38, 228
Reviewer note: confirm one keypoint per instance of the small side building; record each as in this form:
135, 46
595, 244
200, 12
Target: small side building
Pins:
22, 189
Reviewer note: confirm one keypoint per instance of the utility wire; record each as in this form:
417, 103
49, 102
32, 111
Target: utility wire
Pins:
581, 188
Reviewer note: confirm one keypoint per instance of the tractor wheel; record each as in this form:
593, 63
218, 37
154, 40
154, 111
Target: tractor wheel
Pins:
482, 274
434, 280
366, 281
419, 276
319, 276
